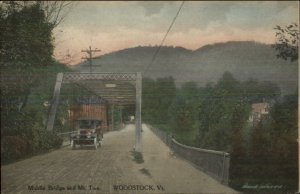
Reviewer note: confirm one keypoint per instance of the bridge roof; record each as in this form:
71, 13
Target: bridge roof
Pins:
116, 88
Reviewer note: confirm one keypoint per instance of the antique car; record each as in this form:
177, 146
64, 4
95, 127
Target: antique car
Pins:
88, 133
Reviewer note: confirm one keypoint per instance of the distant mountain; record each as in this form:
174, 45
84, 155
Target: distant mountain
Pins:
244, 59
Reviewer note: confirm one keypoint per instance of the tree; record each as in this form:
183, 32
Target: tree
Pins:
287, 40
148, 105
157, 97
275, 141
183, 113
223, 113
164, 95
255, 91
56, 11
26, 49
26, 44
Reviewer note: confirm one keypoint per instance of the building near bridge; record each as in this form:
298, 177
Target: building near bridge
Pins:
89, 108
258, 112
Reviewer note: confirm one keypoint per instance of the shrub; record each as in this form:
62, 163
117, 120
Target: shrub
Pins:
37, 140
43, 140
145, 172
137, 157
13, 148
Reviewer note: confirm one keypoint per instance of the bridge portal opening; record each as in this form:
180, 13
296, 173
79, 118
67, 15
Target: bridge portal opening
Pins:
117, 91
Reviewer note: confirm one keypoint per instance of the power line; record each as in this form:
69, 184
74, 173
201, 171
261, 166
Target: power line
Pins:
163, 40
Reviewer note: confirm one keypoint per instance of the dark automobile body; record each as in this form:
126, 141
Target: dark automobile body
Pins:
89, 132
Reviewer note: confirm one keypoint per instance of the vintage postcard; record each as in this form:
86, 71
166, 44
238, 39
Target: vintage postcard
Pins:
149, 97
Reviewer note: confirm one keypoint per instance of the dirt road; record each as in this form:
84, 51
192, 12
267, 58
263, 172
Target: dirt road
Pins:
109, 169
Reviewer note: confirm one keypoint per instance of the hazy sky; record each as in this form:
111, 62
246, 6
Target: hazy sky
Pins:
112, 26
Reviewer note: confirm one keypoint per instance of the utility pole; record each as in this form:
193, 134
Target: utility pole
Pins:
90, 53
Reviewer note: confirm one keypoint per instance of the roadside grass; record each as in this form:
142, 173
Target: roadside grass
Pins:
137, 157
145, 172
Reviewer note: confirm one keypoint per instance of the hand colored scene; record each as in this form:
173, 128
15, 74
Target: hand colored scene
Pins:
149, 97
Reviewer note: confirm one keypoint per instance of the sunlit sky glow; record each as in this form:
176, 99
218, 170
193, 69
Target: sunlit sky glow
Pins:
111, 26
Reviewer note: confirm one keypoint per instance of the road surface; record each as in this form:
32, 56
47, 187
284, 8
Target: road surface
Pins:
109, 169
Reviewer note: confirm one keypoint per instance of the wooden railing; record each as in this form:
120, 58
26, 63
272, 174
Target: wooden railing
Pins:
66, 136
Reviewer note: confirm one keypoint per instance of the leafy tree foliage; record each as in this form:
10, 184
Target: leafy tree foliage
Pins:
256, 91
283, 130
223, 112
26, 44
287, 39
183, 113
26, 37
157, 98
216, 117
273, 151
27, 79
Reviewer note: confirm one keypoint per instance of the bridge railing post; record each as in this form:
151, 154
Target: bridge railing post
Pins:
226, 168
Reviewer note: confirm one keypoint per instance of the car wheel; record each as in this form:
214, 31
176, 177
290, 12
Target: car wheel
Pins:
95, 143
72, 144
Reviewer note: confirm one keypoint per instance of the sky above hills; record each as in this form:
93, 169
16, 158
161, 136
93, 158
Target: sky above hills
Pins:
112, 26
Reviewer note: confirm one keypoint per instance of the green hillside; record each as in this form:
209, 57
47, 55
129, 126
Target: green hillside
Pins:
244, 59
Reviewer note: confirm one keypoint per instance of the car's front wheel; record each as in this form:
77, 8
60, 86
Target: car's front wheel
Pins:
72, 144
95, 143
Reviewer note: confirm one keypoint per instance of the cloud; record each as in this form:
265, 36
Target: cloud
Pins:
281, 5
115, 25
153, 8
261, 15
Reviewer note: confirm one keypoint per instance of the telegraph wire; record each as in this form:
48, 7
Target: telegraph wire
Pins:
163, 40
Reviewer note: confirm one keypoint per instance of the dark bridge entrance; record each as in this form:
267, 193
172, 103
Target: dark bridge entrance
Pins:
116, 88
